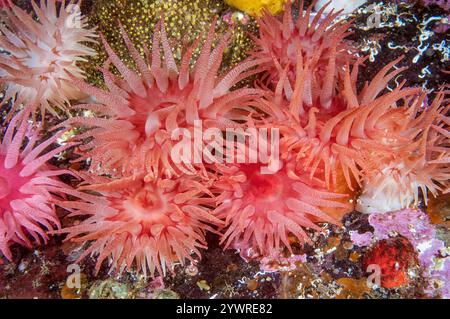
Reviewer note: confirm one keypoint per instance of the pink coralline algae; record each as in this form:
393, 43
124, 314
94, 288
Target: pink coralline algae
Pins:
362, 240
415, 226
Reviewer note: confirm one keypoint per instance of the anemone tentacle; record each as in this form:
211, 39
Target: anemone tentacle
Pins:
261, 211
29, 188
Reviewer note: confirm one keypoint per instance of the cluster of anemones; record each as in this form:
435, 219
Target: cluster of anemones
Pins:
133, 141
144, 110
144, 208
130, 140
391, 144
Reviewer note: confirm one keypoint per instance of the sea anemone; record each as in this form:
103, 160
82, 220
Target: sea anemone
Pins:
29, 189
420, 165
261, 211
41, 53
318, 44
362, 125
152, 226
143, 110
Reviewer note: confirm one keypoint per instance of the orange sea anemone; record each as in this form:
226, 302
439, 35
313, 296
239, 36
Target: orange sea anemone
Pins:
362, 125
152, 226
318, 44
29, 188
40, 53
420, 165
262, 210
144, 109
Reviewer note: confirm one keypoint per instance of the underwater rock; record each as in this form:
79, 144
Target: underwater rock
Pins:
109, 289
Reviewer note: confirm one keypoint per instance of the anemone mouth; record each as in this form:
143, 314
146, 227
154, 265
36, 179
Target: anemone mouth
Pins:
147, 207
152, 225
5, 188
263, 188
10, 184
268, 189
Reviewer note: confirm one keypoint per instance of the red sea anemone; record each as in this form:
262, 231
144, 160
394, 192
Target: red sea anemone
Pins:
144, 109
319, 43
152, 226
262, 210
41, 53
28, 186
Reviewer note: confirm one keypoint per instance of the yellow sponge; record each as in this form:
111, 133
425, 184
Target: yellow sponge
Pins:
254, 7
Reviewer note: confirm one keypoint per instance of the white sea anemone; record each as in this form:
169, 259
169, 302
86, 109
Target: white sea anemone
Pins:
40, 52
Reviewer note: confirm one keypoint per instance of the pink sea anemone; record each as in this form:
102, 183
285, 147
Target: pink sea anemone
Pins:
420, 165
319, 45
261, 211
41, 53
29, 189
152, 226
138, 113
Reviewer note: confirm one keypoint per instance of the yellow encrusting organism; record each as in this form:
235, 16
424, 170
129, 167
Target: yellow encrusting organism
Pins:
254, 7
